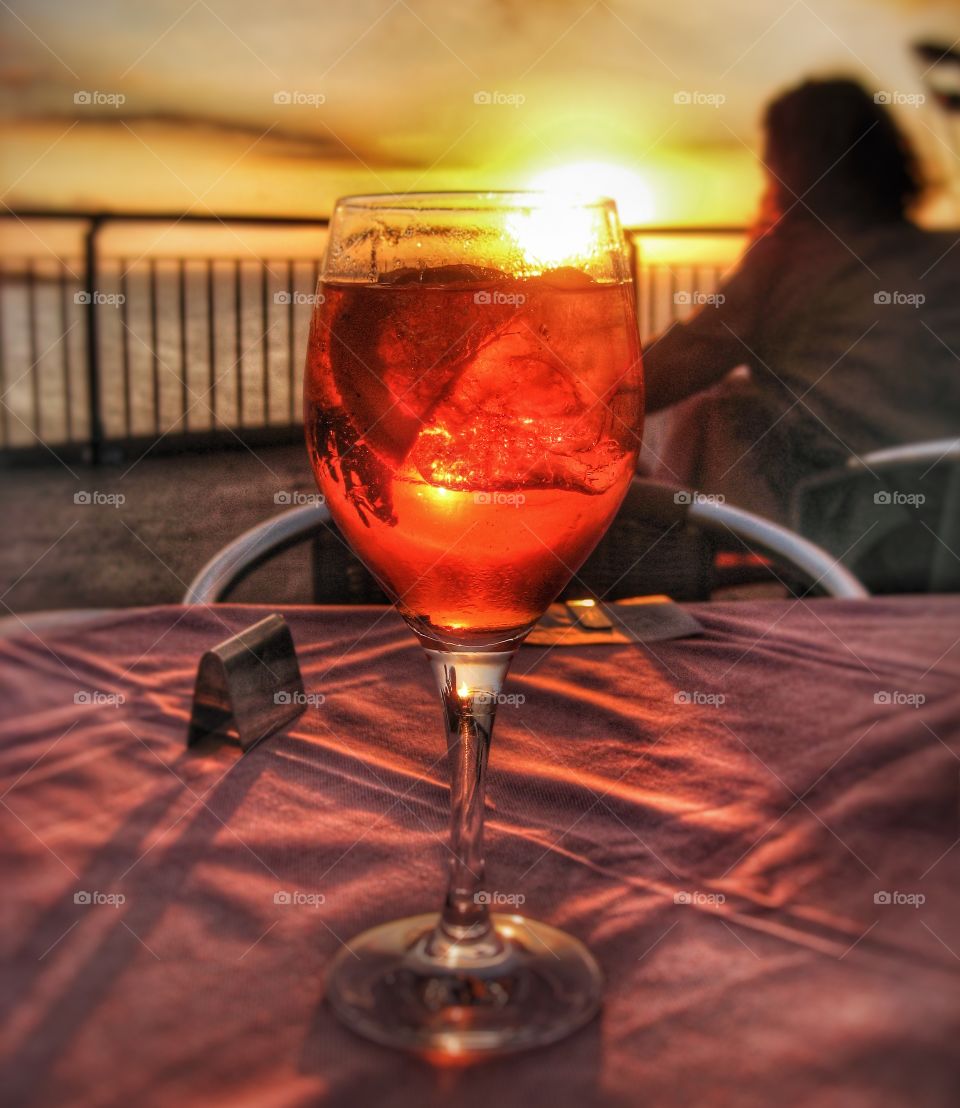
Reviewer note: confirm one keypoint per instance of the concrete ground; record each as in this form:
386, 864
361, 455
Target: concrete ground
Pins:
69, 541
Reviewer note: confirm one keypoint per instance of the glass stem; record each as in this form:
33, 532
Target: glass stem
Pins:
470, 683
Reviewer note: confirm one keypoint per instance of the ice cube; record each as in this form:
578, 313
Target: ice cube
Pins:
397, 347
518, 417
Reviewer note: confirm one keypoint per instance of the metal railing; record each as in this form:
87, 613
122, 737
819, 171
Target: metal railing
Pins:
113, 350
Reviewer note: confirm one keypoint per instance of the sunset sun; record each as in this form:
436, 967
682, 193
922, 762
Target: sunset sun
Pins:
591, 179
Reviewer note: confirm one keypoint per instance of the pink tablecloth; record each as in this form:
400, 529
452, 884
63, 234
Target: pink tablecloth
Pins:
766, 865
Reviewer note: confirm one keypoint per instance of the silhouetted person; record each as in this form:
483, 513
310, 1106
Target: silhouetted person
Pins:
846, 314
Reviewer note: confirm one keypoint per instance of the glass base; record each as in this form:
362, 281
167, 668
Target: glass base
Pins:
529, 986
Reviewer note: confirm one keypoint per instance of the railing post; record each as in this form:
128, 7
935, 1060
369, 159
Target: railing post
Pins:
91, 279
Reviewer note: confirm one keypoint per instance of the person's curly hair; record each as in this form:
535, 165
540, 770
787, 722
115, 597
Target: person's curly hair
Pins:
831, 143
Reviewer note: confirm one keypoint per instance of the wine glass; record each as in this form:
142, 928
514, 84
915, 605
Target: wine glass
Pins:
473, 403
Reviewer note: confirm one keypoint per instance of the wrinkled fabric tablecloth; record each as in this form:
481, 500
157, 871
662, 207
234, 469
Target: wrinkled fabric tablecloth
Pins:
755, 831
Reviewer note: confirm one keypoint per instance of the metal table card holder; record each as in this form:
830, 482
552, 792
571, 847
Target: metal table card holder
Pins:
248, 685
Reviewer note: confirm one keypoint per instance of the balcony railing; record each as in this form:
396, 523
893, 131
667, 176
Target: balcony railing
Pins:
109, 349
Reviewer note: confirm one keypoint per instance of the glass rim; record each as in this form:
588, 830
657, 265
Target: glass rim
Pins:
467, 200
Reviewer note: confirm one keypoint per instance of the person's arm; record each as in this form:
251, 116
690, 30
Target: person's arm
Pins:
691, 356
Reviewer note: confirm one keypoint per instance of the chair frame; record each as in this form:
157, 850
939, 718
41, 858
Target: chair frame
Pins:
230, 565
944, 575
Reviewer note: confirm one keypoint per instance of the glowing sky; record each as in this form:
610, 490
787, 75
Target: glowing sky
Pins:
281, 106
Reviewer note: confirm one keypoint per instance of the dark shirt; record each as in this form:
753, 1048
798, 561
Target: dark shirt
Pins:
852, 336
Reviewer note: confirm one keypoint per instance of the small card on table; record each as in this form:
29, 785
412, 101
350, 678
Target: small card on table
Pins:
641, 619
